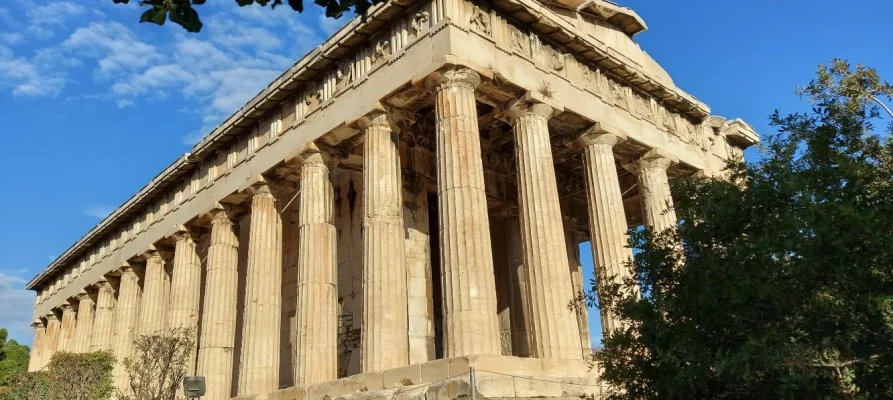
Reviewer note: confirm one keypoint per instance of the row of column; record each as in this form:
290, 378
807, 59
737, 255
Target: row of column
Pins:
164, 300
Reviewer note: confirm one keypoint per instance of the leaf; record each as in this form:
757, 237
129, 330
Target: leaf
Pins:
154, 15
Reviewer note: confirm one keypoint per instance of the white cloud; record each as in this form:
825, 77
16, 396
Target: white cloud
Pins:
12, 38
24, 78
42, 19
113, 46
16, 306
99, 211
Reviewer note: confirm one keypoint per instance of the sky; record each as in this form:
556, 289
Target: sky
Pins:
93, 105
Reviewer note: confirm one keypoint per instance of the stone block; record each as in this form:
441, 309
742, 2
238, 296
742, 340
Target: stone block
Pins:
500, 364
490, 385
433, 371
536, 387
532, 366
403, 376
329, 389
293, 393
449, 389
459, 365
363, 383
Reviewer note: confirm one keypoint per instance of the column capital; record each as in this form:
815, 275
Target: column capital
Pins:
66, 307
532, 103
83, 296
384, 115
185, 233
104, 284
51, 316
655, 159
453, 76
152, 254
600, 134
38, 324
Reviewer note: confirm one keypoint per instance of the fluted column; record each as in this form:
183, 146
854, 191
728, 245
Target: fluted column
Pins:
316, 350
186, 281
156, 293
51, 339
37, 347
385, 330
519, 309
218, 333
577, 282
104, 321
553, 327
654, 189
85, 324
127, 314
259, 372
469, 292
68, 330
607, 221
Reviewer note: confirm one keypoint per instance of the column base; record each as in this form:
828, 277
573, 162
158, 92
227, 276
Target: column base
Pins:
503, 377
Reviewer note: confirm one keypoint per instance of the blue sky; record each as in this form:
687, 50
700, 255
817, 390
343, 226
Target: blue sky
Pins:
94, 105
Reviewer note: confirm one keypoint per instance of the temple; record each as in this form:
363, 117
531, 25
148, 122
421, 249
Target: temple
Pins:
401, 207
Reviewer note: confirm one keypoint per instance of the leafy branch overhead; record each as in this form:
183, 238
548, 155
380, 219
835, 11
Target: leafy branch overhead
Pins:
184, 13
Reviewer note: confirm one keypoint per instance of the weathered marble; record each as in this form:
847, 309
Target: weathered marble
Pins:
553, 327
84, 329
186, 282
607, 221
68, 329
385, 342
155, 297
51, 340
127, 312
578, 287
259, 364
657, 203
470, 324
104, 321
38, 346
316, 350
218, 330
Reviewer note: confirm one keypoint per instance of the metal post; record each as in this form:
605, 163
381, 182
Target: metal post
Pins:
474, 388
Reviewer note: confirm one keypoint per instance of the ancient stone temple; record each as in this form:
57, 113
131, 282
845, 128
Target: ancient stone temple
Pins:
404, 205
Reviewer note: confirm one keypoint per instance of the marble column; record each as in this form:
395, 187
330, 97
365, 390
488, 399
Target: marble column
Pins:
553, 327
316, 349
186, 281
218, 333
654, 189
37, 347
84, 324
384, 332
127, 316
469, 291
519, 309
156, 293
68, 329
607, 220
51, 339
104, 321
572, 239
259, 372
419, 281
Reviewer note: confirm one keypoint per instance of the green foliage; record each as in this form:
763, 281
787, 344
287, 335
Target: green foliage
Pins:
783, 287
14, 359
69, 376
158, 365
183, 12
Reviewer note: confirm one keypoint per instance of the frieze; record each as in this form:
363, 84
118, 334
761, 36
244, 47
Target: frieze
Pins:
555, 60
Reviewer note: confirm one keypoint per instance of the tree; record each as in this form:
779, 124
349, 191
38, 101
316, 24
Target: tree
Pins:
14, 359
183, 12
158, 365
783, 285
68, 376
